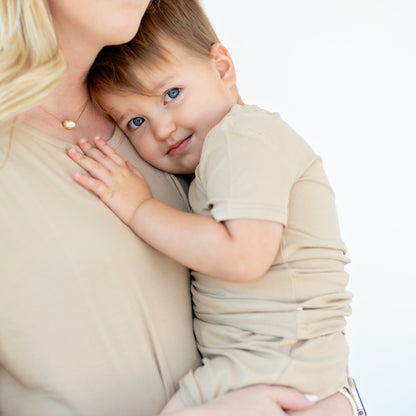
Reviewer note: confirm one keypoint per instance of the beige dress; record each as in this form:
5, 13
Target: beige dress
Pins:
92, 320
287, 327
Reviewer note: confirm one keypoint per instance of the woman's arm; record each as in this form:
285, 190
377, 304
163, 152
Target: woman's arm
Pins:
271, 401
236, 250
336, 404
252, 401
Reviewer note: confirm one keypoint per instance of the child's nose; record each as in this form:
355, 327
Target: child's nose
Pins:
164, 127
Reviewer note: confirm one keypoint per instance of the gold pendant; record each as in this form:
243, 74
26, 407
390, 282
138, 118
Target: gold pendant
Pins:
69, 124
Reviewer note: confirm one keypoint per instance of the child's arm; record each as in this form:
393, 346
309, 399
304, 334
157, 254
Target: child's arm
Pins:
236, 250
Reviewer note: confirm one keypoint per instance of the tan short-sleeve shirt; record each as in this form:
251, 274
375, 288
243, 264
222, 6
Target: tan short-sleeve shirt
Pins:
92, 320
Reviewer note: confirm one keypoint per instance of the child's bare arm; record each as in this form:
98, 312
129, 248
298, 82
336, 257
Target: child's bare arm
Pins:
237, 250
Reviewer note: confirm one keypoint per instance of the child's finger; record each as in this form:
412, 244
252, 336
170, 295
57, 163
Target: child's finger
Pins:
134, 170
93, 167
96, 154
108, 150
93, 185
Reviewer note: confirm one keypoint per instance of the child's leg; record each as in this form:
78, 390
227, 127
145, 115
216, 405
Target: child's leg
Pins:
316, 366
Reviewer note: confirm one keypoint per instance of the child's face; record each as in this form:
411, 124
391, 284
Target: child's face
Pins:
188, 98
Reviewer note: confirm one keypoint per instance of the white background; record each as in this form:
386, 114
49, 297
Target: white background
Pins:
342, 73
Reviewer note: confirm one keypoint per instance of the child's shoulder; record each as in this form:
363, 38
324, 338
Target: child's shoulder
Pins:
250, 134
251, 115
250, 122
247, 120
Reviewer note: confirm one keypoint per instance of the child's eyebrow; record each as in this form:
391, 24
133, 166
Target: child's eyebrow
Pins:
161, 85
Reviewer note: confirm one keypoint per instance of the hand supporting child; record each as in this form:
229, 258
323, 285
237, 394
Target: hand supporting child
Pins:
116, 182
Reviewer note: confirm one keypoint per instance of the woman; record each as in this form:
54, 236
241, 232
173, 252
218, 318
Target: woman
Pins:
80, 335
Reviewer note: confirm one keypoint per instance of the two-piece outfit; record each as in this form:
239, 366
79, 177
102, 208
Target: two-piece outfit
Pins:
287, 327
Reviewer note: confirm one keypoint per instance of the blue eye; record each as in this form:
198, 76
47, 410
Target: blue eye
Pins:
172, 94
135, 122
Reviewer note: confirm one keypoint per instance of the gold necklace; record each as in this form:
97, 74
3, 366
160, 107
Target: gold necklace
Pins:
68, 124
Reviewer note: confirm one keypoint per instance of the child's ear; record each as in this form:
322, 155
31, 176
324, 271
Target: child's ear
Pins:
223, 63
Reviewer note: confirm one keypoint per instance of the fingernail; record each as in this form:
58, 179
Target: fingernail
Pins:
82, 141
311, 397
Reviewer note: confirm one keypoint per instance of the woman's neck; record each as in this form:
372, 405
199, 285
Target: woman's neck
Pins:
67, 102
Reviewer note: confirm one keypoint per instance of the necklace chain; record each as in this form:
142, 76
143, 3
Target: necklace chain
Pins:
68, 124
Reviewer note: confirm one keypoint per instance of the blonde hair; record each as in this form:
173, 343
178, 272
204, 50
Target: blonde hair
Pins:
180, 21
31, 62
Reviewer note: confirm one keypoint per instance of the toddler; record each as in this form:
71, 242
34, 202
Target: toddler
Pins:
263, 241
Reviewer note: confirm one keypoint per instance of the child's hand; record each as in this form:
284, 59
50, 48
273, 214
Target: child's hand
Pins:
118, 183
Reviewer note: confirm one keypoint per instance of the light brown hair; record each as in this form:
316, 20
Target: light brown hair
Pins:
181, 21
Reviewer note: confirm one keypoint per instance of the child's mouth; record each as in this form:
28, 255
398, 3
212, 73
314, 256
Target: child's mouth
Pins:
179, 147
